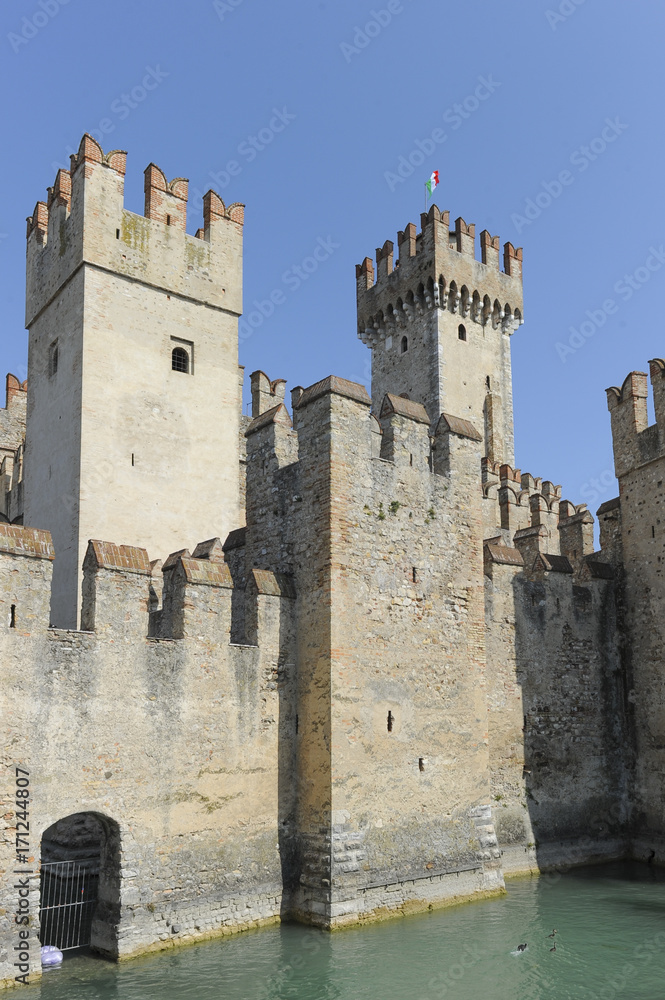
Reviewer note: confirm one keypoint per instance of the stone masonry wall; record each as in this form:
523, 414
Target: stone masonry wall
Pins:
400, 673
559, 719
639, 457
173, 743
113, 294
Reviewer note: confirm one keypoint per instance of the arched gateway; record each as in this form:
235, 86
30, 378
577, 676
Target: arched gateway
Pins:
79, 898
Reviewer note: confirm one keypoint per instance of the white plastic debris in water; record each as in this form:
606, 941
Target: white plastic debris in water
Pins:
50, 955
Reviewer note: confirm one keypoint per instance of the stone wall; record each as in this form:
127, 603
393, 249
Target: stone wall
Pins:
405, 674
636, 527
12, 437
392, 776
177, 745
558, 711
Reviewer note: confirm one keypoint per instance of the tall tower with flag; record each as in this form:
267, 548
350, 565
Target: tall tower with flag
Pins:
438, 323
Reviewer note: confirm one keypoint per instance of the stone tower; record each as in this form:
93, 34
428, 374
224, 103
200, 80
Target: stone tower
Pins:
135, 390
439, 322
637, 522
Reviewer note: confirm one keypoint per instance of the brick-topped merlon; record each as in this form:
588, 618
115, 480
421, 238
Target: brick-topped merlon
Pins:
273, 584
512, 260
215, 211
336, 385
657, 373
434, 258
490, 247
38, 222
211, 549
12, 420
90, 151
635, 442
116, 588
121, 558
84, 221
630, 399
405, 439
61, 192
15, 540
458, 426
576, 536
265, 393
14, 388
275, 415
196, 598
405, 408
165, 201
26, 568
207, 572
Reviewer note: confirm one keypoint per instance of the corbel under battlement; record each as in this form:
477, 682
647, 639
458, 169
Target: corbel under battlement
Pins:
437, 269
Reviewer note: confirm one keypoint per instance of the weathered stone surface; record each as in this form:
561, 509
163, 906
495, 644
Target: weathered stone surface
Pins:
405, 675
110, 296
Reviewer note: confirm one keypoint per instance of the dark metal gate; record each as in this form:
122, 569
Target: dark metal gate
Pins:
67, 902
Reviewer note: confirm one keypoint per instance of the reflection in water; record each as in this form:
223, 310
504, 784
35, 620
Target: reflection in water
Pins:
610, 943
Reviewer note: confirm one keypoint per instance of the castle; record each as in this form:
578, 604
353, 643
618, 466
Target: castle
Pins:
389, 670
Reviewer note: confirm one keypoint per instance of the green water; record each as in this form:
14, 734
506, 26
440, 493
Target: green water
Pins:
610, 943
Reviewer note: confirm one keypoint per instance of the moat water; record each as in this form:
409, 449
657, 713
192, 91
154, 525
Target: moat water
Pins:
610, 944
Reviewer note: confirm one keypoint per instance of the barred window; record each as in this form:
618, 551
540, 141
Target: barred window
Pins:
180, 360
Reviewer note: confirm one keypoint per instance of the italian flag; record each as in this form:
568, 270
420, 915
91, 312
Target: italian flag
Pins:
432, 183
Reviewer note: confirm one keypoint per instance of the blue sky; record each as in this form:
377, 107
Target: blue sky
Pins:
576, 88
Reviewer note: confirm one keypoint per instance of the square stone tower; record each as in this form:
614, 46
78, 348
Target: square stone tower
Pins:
438, 323
135, 390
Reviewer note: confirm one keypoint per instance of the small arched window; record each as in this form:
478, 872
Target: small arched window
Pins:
404, 346
180, 360
461, 331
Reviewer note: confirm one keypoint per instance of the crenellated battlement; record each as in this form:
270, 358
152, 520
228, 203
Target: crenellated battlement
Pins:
84, 220
635, 442
116, 593
400, 435
524, 509
437, 269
